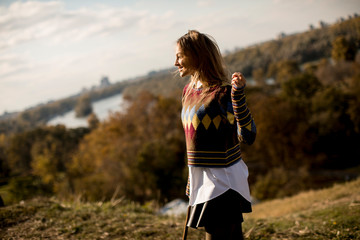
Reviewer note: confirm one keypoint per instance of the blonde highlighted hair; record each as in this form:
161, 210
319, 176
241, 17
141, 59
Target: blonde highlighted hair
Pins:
206, 58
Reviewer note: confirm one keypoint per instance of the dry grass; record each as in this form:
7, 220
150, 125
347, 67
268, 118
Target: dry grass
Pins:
332, 213
310, 200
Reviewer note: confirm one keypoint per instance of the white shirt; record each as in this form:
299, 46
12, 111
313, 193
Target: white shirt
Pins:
208, 183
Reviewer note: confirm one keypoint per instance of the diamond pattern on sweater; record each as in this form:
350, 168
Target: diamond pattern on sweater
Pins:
191, 116
230, 117
217, 121
195, 121
206, 121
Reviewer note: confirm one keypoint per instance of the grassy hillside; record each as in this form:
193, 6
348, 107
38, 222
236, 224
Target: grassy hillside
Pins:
332, 213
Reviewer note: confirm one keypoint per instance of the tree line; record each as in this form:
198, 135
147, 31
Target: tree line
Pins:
39, 115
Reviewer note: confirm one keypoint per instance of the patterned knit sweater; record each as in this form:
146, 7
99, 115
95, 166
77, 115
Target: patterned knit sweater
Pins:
215, 121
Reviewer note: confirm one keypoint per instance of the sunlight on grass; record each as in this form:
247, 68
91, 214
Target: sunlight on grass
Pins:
315, 199
332, 213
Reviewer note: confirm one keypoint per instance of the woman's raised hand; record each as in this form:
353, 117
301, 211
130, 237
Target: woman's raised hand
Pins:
238, 80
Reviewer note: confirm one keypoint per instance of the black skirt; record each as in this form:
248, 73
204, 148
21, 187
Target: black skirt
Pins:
223, 210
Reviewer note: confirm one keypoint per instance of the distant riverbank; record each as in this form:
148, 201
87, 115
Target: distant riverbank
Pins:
101, 108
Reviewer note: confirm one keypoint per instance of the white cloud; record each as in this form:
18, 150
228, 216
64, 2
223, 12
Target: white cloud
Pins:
276, 1
38, 36
25, 21
22, 22
154, 23
11, 63
204, 3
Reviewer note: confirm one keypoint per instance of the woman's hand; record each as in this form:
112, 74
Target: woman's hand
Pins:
238, 80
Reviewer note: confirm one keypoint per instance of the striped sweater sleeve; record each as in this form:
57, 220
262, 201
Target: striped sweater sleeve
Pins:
244, 119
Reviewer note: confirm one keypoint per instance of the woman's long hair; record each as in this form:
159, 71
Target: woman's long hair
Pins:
206, 57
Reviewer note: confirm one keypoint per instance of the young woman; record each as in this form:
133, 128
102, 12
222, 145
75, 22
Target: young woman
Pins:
215, 119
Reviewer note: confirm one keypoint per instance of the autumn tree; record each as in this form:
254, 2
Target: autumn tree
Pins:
259, 76
283, 70
301, 88
353, 89
343, 50
39, 159
93, 121
83, 106
139, 152
4, 166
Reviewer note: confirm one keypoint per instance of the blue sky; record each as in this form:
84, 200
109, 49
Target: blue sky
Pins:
52, 49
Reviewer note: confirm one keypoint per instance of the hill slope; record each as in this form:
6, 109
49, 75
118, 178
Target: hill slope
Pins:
332, 213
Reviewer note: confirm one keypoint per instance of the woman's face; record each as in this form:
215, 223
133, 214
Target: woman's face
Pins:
183, 62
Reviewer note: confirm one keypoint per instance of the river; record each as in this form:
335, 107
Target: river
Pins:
101, 108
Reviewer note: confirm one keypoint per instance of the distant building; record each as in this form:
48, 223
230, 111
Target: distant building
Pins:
104, 82
281, 35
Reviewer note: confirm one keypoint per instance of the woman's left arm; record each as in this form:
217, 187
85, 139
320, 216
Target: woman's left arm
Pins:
244, 119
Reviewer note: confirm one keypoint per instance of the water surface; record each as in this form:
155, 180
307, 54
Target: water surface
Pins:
101, 108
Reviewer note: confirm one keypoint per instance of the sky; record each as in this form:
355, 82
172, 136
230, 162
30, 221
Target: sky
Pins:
52, 49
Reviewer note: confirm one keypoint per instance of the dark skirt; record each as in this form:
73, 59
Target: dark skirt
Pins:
225, 209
